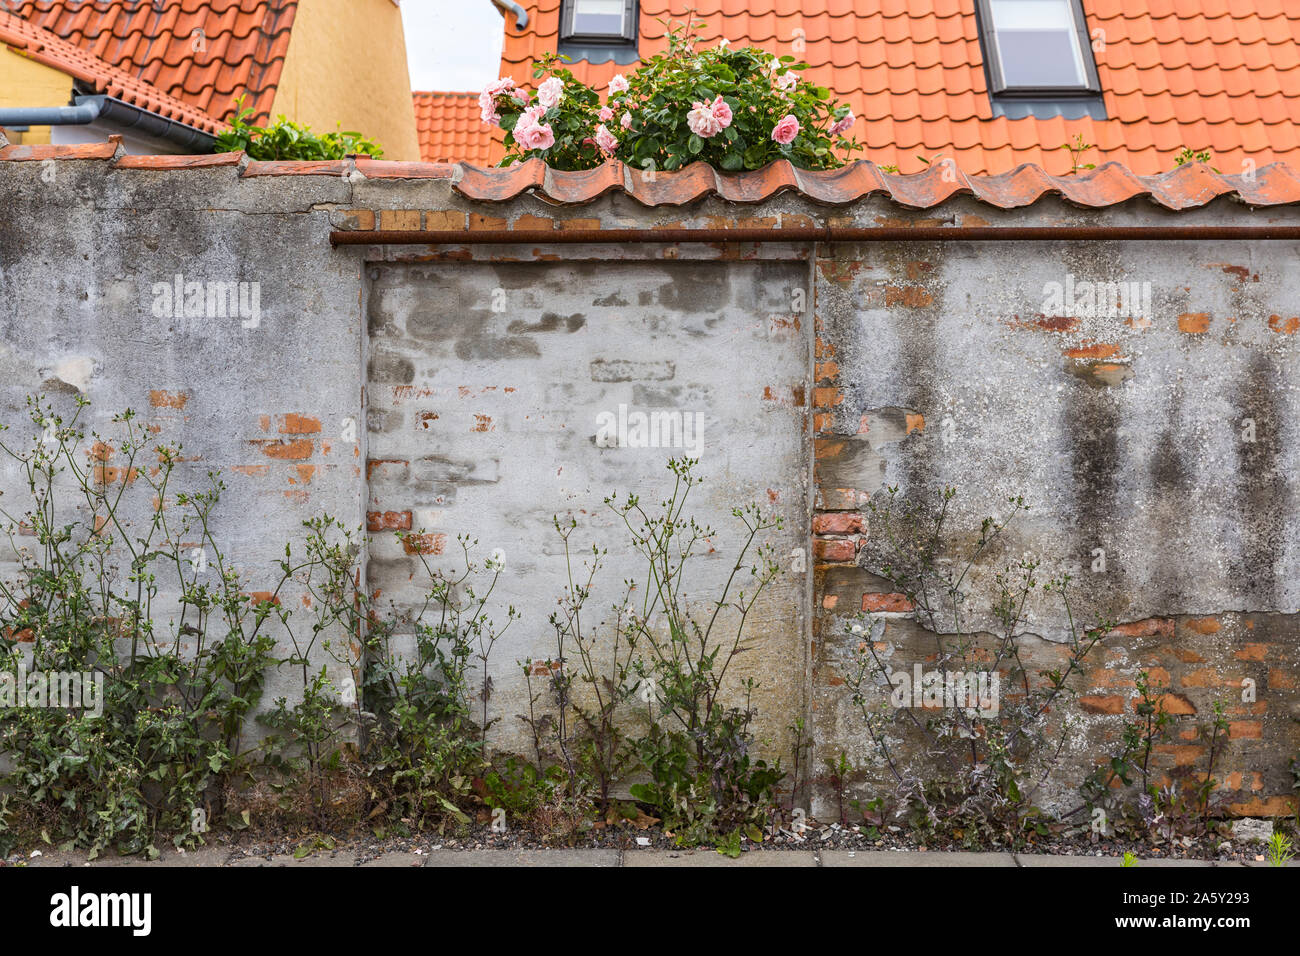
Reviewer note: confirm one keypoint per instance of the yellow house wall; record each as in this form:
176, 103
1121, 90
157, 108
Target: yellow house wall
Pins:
24, 82
347, 64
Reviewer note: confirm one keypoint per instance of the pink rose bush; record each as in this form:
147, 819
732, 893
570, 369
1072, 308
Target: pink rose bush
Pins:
734, 108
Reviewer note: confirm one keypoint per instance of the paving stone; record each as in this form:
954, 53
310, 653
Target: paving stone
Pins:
522, 858
762, 858
204, 856
322, 858
1049, 860
913, 858
398, 859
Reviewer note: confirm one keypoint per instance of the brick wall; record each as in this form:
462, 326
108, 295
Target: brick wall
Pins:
455, 391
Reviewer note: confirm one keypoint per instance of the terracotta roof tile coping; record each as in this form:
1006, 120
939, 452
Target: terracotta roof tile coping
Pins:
1185, 187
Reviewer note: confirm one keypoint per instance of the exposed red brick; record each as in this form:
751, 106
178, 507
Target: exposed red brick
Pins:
1245, 729
829, 549
887, 603
1099, 350
1266, 807
377, 464
827, 397
1185, 755
1095, 704
388, 521
1175, 704
293, 424
400, 219
431, 543
162, 399
837, 523
295, 450
1150, 627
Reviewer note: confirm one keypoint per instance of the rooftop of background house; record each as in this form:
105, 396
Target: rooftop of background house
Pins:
200, 52
1222, 75
45, 47
449, 128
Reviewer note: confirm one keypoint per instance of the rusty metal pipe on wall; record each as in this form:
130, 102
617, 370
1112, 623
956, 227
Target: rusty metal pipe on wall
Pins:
390, 237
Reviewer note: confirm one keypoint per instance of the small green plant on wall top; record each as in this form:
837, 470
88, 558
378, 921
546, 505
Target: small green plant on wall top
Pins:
285, 139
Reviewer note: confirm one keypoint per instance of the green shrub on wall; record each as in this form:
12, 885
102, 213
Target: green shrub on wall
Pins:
285, 139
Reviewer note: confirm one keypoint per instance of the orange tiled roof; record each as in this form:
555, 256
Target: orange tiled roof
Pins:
1222, 75
44, 47
203, 52
449, 128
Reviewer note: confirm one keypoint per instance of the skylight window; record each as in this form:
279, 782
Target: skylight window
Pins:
598, 21
1037, 48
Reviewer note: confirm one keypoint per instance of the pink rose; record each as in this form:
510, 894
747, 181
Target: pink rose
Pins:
721, 112
785, 131
702, 122
787, 80
709, 119
626, 121
531, 134
549, 93
618, 85
605, 139
840, 125
606, 114
487, 99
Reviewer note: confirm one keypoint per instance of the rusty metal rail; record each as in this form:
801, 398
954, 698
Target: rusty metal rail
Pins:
795, 234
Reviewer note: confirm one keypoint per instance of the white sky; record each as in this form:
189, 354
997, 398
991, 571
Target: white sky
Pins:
452, 44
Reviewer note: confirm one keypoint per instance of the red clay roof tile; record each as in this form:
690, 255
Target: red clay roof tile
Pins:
449, 128
44, 47
239, 47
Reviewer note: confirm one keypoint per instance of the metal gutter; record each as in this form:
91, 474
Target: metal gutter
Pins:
89, 109
390, 237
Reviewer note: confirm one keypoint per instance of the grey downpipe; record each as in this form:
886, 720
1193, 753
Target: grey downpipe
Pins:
25, 116
521, 15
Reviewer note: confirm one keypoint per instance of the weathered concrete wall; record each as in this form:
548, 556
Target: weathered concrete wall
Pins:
476, 375
1155, 446
264, 398
489, 386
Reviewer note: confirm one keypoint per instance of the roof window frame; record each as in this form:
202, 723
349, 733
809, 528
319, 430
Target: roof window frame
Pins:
998, 85
568, 9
